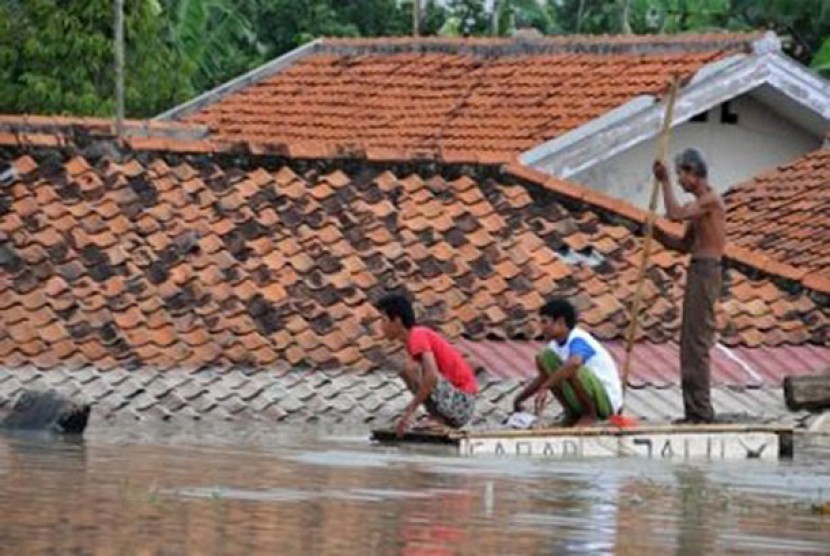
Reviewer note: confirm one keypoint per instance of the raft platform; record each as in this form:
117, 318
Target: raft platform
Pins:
670, 442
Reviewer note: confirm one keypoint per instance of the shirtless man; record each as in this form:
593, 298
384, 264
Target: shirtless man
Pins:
706, 239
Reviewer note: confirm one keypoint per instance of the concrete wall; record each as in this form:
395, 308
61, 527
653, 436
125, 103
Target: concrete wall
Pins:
759, 141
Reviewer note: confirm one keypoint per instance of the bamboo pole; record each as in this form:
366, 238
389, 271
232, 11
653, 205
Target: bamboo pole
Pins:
662, 149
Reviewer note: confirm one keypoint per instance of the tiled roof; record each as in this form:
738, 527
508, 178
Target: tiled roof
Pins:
332, 396
785, 213
658, 364
163, 262
476, 100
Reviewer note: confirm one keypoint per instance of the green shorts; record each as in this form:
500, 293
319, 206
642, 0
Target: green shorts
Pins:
551, 363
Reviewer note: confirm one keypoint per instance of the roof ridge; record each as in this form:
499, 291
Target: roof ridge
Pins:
20, 124
749, 257
558, 44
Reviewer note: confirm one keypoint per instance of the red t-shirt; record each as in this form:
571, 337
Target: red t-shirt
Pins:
451, 365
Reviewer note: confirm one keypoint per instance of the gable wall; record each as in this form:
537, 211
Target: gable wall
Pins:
759, 141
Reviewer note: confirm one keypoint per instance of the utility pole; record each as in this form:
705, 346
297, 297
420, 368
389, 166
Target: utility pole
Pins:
119, 69
416, 16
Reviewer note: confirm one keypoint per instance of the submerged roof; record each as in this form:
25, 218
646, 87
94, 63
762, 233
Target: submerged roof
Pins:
164, 260
785, 213
334, 396
451, 99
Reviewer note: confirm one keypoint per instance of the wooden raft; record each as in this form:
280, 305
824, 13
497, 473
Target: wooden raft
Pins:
671, 442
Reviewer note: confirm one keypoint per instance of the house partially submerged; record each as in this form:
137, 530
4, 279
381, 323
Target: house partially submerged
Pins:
224, 265
206, 281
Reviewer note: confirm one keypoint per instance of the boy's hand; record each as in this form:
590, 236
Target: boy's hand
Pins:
541, 402
403, 424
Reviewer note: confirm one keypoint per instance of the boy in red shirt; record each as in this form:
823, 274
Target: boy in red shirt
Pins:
435, 373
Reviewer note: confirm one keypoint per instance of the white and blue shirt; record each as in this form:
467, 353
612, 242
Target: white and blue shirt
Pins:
596, 359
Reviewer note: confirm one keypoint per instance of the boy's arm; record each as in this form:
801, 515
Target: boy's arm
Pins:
567, 372
527, 391
429, 378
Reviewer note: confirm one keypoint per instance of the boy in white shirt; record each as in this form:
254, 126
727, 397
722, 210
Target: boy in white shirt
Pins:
575, 367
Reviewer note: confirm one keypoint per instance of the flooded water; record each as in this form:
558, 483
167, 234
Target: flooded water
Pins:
246, 490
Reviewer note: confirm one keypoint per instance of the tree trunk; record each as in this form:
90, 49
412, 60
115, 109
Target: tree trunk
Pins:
626, 12
119, 68
416, 17
807, 392
494, 21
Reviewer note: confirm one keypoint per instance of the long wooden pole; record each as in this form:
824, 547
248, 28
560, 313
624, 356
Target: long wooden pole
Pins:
662, 149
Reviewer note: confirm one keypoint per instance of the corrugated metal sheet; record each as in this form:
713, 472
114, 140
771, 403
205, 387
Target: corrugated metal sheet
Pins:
659, 364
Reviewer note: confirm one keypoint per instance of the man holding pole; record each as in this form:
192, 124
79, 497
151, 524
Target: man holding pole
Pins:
706, 239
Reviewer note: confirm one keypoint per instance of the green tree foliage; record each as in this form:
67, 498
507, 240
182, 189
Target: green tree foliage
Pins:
805, 22
821, 61
57, 57
466, 18
213, 39
518, 14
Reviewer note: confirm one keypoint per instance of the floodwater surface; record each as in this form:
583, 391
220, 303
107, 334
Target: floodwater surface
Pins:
208, 489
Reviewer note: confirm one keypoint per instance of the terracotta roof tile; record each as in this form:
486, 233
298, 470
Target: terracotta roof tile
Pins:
792, 203
454, 100
303, 293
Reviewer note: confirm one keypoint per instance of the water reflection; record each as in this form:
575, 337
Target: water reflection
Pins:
253, 491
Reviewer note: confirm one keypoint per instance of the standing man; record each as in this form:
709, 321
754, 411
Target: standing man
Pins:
706, 239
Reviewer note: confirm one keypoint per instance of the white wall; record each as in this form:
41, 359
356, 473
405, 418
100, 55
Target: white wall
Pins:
735, 153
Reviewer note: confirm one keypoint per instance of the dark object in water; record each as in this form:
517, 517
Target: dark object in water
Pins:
46, 411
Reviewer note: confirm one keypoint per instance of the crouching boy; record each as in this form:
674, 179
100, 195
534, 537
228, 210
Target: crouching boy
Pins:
435, 373
573, 365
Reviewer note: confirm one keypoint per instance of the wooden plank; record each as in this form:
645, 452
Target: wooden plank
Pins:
721, 441
557, 446
615, 431
807, 392
713, 445
388, 435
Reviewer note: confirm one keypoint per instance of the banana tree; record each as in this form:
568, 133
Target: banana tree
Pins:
821, 61
510, 15
215, 37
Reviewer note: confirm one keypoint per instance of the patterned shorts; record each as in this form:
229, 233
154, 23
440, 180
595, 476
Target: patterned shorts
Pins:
453, 405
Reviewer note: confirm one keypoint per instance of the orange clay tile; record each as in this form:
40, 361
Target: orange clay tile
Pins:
798, 188
349, 89
466, 282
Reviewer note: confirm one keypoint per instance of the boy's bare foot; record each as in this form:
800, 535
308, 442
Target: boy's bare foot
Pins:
586, 421
431, 424
565, 421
